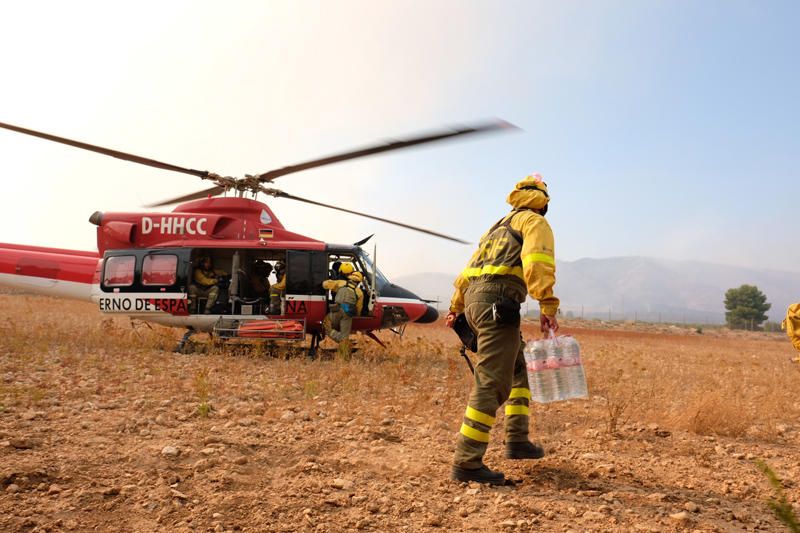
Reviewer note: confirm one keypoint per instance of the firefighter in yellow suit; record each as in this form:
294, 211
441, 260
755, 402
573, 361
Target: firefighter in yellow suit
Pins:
205, 283
349, 301
791, 324
515, 258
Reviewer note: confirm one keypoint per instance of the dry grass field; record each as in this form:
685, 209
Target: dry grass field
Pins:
102, 428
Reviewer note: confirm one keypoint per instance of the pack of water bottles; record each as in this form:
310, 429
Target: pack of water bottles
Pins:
555, 369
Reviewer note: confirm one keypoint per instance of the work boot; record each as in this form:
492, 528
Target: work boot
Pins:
523, 450
481, 475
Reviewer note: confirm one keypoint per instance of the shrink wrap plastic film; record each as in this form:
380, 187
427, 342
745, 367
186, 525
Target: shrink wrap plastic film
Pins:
555, 369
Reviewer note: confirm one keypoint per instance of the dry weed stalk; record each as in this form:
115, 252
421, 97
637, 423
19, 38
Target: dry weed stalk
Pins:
311, 388
617, 402
718, 413
779, 504
617, 388
202, 387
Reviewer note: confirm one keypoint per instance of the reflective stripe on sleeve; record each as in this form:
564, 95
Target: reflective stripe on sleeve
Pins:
517, 410
501, 270
477, 416
474, 434
520, 392
537, 257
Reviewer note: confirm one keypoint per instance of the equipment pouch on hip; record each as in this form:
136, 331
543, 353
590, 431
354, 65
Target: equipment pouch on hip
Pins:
506, 311
465, 333
349, 309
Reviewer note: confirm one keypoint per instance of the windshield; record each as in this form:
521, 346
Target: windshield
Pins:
380, 279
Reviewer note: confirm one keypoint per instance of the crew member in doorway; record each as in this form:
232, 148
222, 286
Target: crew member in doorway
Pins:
259, 279
514, 258
205, 283
348, 302
278, 289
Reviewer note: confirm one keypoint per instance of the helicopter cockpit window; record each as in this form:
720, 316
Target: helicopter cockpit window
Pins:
380, 279
159, 270
119, 271
335, 263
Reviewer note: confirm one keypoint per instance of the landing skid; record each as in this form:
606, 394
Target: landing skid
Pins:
316, 338
185, 346
399, 330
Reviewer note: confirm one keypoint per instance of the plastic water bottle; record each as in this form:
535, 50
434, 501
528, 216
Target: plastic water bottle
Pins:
555, 363
573, 368
539, 376
555, 371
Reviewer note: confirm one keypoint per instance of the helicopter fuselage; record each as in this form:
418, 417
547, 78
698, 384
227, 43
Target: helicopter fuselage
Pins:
145, 263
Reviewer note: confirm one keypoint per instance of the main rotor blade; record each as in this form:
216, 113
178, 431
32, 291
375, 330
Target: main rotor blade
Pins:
213, 191
107, 151
393, 145
281, 194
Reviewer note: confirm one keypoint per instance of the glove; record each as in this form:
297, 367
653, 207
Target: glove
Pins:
548, 323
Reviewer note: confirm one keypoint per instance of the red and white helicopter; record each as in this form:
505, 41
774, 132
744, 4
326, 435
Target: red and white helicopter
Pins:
144, 262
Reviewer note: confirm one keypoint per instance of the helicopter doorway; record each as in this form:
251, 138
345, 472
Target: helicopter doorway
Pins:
305, 272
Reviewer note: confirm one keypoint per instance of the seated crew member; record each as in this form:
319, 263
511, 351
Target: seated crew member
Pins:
335, 270
349, 301
259, 279
205, 282
278, 289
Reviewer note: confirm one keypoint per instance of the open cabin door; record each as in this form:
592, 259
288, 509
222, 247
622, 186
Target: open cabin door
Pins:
305, 272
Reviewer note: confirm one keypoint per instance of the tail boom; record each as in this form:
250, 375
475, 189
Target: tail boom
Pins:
50, 271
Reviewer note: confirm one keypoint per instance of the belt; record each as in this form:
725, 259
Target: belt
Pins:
497, 289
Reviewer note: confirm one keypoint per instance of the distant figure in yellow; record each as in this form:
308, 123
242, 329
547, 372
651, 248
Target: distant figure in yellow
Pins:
348, 302
791, 324
205, 283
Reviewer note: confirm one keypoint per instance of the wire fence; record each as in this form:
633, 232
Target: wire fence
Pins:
610, 313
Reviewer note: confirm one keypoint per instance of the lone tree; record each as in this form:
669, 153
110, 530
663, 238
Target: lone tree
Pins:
746, 307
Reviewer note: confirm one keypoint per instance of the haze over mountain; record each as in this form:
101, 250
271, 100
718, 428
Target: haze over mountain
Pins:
643, 288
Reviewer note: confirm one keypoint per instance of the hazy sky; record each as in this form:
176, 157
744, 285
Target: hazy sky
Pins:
662, 128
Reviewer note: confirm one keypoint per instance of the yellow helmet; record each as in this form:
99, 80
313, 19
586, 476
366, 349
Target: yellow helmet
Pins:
346, 268
530, 193
356, 276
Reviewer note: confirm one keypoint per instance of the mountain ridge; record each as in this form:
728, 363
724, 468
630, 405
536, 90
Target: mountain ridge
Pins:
642, 288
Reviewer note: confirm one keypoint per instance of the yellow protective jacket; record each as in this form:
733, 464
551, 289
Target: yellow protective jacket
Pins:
279, 287
535, 267
336, 284
791, 324
207, 278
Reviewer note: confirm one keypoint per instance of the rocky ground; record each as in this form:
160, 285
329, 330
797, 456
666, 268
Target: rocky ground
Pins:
102, 428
